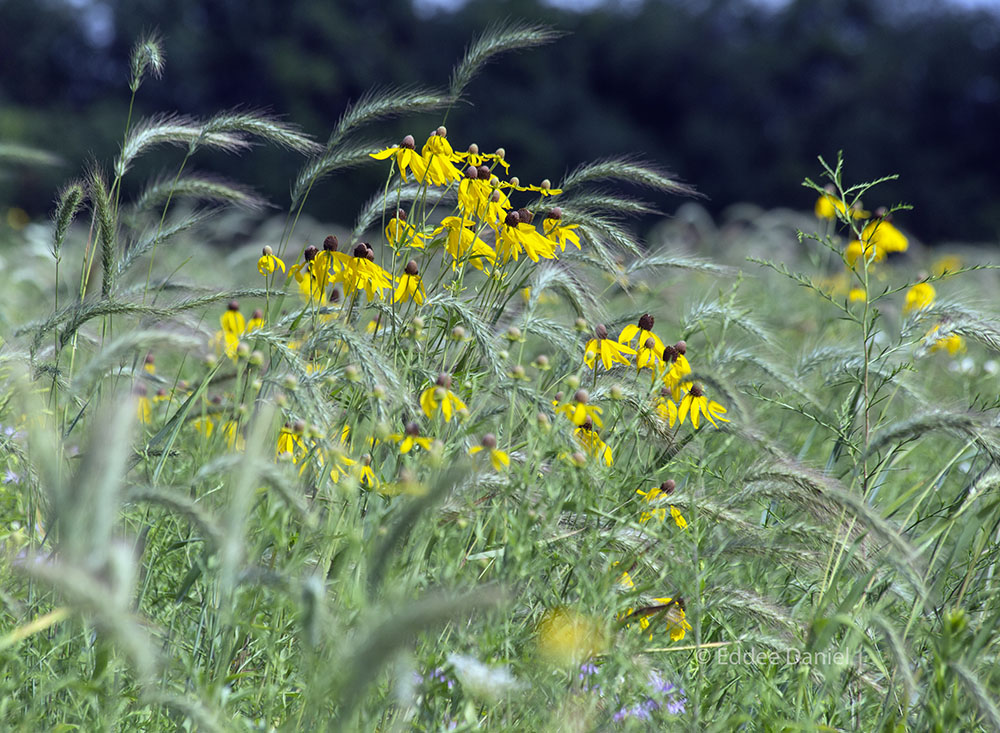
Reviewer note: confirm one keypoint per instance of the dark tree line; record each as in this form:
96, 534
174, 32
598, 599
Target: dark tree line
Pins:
736, 98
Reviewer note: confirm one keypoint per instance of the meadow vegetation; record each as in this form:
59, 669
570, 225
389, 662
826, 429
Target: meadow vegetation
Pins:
483, 458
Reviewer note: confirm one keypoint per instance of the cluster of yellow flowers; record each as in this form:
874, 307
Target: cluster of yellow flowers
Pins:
234, 327
487, 234
483, 203
678, 398
920, 297
654, 500
485, 230
484, 207
878, 239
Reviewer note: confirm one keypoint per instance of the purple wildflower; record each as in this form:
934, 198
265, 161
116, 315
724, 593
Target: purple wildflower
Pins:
677, 705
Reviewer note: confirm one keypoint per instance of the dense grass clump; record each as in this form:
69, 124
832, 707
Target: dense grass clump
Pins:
486, 459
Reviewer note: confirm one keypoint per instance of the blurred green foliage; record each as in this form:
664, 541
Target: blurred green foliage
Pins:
738, 98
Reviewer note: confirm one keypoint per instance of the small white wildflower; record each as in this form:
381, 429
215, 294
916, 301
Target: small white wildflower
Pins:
991, 367
481, 680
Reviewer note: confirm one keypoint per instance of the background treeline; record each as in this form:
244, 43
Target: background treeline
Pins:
734, 97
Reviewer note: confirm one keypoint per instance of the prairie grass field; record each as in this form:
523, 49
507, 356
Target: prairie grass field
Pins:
485, 458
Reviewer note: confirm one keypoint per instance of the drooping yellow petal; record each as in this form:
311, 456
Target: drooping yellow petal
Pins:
233, 323
607, 355
714, 411
499, 459
427, 402
628, 333
685, 405
144, 410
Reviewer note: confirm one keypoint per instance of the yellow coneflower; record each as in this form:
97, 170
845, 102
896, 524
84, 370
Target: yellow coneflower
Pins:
204, 425
677, 368
256, 321
670, 610
869, 252
409, 438
268, 262
560, 233
545, 188
363, 274
312, 286
462, 242
233, 325
610, 352
399, 233
234, 440
881, 234
440, 397
407, 158
498, 458
648, 344
475, 190
580, 410
329, 261
478, 159
643, 330
440, 159
589, 439
366, 476
409, 285
694, 403
516, 235
656, 494
290, 441
945, 264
